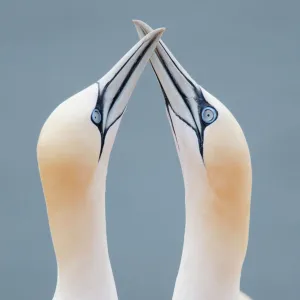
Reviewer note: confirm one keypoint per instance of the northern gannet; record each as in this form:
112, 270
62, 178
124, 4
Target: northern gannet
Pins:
216, 168
73, 152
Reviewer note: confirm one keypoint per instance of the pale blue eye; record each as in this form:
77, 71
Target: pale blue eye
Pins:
209, 115
96, 116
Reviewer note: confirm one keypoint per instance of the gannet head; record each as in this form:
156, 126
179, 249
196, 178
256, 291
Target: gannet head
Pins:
212, 149
206, 133
79, 134
73, 152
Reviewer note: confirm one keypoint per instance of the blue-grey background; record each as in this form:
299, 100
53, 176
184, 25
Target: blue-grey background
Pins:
244, 52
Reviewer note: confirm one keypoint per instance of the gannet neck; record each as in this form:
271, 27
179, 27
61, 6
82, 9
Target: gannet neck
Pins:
217, 210
212, 258
78, 228
73, 180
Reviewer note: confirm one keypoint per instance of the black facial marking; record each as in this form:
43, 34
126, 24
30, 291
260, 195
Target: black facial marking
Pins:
198, 98
102, 129
101, 96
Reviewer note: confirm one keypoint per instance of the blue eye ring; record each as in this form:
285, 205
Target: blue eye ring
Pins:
209, 115
96, 116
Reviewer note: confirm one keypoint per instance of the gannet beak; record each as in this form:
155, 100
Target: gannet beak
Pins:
182, 94
117, 85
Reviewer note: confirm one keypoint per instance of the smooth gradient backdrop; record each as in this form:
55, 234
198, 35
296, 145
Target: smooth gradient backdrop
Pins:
246, 53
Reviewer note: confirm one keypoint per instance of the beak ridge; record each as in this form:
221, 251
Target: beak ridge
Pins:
163, 51
149, 39
117, 85
183, 96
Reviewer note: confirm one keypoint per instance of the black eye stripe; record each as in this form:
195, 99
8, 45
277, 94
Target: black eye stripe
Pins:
101, 95
199, 99
202, 104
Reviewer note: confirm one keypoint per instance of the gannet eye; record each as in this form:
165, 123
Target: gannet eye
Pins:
209, 115
96, 116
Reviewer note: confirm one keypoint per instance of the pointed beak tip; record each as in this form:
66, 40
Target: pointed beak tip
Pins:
161, 30
137, 22
141, 24
155, 34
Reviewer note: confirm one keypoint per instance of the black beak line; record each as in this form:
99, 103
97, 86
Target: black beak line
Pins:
101, 94
199, 98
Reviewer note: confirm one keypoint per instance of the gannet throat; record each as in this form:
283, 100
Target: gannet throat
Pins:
73, 153
216, 167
